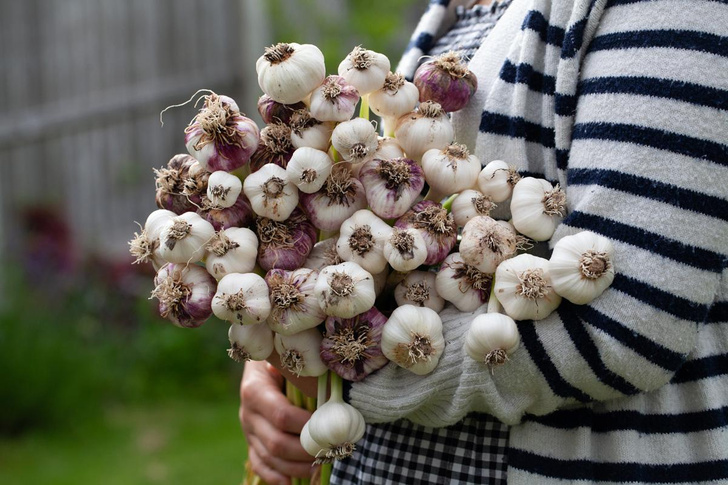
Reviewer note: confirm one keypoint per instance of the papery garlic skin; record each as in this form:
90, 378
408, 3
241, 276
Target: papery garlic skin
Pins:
361, 240
294, 304
183, 239
485, 243
523, 286
582, 266
169, 184
335, 427
356, 140
364, 69
334, 100
469, 204
463, 285
491, 338
418, 288
405, 249
345, 290
270, 192
185, 293
309, 168
395, 98
289, 72
223, 189
537, 208
497, 180
426, 128
412, 338
233, 250
250, 342
391, 185
451, 169
337, 200
241, 298
299, 353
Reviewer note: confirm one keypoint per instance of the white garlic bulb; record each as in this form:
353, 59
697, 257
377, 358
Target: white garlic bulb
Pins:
425, 128
523, 286
294, 304
241, 298
250, 342
183, 239
485, 243
289, 72
405, 249
306, 131
418, 289
308, 168
334, 100
335, 427
451, 169
233, 250
345, 290
361, 240
223, 189
395, 98
270, 192
491, 338
299, 353
364, 69
537, 208
145, 246
412, 338
582, 266
323, 254
356, 140
497, 180
471, 203
463, 285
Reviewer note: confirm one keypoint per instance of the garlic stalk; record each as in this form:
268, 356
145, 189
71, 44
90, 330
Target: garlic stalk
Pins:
309, 168
361, 240
497, 180
446, 80
289, 72
412, 338
395, 98
233, 250
491, 338
582, 266
145, 246
405, 249
339, 198
286, 244
185, 294
183, 238
469, 204
294, 305
334, 100
364, 69
436, 226
307, 131
418, 288
537, 208
223, 189
345, 290
241, 298
250, 342
275, 146
391, 185
270, 192
299, 353
463, 285
485, 243
352, 346
523, 286
356, 140
425, 128
450, 170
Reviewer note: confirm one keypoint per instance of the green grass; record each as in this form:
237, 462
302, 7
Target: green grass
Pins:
182, 442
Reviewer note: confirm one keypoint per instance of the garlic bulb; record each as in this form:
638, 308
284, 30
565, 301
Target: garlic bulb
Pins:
219, 136
286, 244
412, 338
323, 254
497, 180
169, 184
233, 250
240, 214
294, 305
309, 168
356, 140
582, 266
275, 146
272, 111
436, 226
391, 185
352, 346
364, 69
312, 448
361, 240
469, 204
395, 98
223, 189
345, 290
185, 293
334, 100
418, 288
307, 131
491, 338
241, 298
405, 249
446, 80
485, 243
334, 427
194, 183
425, 128
183, 238
450, 170
463, 285
339, 198
537, 208
250, 342
299, 353
289, 72
270, 192
145, 246
523, 286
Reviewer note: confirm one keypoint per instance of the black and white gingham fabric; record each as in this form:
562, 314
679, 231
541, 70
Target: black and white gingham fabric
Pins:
469, 452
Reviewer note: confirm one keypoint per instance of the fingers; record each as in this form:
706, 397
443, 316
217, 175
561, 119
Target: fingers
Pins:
260, 468
284, 467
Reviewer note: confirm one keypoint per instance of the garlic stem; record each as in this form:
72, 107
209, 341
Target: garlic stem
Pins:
364, 107
337, 388
322, 389
447, 205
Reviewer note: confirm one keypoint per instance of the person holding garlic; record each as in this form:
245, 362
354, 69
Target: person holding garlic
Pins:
623, 103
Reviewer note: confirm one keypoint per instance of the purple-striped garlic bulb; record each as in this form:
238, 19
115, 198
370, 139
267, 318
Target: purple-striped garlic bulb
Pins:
185, 294
435, 224
169, 183
446, 80
285, 244
294, 305
391, 185
240, 214
337, 200
272, 111
334, 100
274, 147
418, 289
300, 353
463, 285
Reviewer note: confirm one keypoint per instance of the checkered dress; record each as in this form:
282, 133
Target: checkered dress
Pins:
473, 450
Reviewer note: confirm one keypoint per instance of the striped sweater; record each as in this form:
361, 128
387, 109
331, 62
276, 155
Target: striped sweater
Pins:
625, 104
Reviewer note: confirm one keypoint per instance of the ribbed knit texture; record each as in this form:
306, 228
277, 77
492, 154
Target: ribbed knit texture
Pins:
624, 104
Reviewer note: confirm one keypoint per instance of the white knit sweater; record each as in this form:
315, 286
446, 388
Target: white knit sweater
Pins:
624, 103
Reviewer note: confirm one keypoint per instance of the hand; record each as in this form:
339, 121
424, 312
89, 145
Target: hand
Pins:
271, 425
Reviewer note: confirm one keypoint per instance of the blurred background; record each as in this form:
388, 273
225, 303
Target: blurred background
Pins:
94, 387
